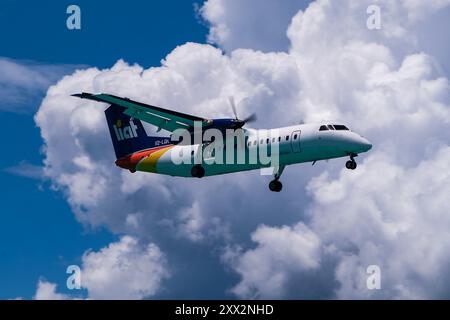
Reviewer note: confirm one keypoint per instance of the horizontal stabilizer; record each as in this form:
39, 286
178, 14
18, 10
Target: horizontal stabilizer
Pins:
162, 118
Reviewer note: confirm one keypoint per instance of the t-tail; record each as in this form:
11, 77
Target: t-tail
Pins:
128, 134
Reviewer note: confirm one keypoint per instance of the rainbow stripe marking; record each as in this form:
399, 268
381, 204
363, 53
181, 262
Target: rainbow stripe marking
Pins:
145, 160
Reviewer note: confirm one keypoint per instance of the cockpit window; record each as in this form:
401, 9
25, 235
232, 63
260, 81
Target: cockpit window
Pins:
340, 127
330, 127
323, 128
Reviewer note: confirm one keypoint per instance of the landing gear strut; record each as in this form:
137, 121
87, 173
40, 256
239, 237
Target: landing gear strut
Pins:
198, 171
275, 185
351, 164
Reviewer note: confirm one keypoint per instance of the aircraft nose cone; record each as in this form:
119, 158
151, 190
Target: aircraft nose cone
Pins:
365, 144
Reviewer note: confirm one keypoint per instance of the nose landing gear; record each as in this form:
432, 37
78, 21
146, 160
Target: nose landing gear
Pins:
351, 164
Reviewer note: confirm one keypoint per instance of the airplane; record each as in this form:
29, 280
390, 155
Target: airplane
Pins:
136, 151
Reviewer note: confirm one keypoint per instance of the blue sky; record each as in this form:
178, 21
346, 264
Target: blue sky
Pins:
38, 233
142, 31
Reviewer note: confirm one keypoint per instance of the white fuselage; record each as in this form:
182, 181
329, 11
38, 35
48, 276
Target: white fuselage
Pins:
295, 144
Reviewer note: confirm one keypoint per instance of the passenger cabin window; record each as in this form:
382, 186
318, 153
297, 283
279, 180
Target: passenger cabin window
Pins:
273, 140
323, 128
295, 136
267, 141
340, 127
287, 138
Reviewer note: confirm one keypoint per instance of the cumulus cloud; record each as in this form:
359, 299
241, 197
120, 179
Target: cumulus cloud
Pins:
397, 220
124, 270
316, 238
47, 291
251, 24
265, 270
386, 214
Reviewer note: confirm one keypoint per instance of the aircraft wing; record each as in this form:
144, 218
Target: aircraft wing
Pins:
162, 118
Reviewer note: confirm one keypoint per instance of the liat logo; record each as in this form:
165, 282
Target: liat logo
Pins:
123, 133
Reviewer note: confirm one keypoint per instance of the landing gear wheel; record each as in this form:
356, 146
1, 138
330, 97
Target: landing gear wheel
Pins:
132, 170
275, 186
351, 164
198, 171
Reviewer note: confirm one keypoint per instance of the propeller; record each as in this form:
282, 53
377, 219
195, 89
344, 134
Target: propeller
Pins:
249, 119
233, 106
240, 123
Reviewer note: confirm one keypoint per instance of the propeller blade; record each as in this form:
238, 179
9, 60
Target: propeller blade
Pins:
233, 106
250, 118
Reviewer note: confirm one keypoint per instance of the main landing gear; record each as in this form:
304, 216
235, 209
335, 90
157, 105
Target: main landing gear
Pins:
198, 171
351, 164
275, 185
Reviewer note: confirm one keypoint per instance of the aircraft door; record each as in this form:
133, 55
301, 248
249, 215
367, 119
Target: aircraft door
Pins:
295, 141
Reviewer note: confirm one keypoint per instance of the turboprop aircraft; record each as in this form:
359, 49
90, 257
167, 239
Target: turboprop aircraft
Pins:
208, 154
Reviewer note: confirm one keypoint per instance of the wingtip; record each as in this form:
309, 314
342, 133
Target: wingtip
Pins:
82, 95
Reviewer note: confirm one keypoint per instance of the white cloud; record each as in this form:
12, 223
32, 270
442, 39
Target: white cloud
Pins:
391, 211
23, 83
123, 270
192, 222
397, 220
47, 291
417, 9
281, 252
252, 24
381, 83
25, 169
